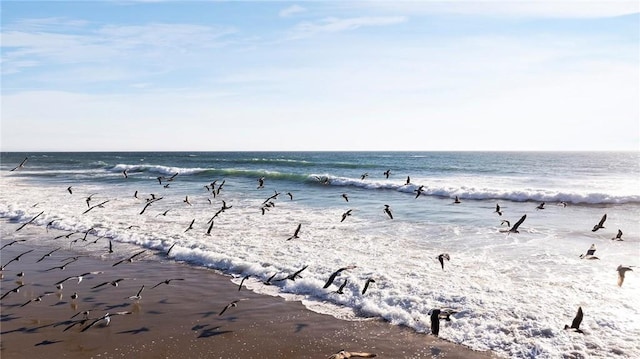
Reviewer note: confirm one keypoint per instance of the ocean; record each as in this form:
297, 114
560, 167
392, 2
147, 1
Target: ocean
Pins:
512, 293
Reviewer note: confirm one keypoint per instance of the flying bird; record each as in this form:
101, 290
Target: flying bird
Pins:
540, 206
14, 290
387, 173
290, 195
442, 257
600, 224
498, 210
435, 322
366, 285
618, 236
21, 165
99, 205
346, 198
191, 225
167, 281
186, 200
130, 259
294, 275
621, 271
387, 210
13, 242
418, 191
590, 253
31, 220
242, 281
113, 283
345, 215
575, 324
15, 259
138, 295
295, 234
232, 304
48, 255
339, 291
456, 200
106, 318
69, 190
335, 274
514, 229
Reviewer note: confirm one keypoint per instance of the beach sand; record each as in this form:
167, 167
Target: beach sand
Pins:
179, 319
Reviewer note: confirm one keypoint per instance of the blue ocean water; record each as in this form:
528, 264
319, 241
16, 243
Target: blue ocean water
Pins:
513, 292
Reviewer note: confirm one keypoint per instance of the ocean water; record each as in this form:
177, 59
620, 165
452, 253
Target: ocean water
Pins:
512, 292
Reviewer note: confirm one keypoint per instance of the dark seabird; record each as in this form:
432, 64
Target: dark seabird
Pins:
16, 258
295, 234
242, 281
191, 225
442, 257
600, 224
135, 194
232, 304
138, 295
31, 220
88, 199
456, 200
48, 255
268, 281
386, 173
36, 299
49, 225
130, 259
435, 322
99, 205
290, 195
540, 206
366, 285
21, 165
618, 236
346, 198
208, 229
563, 204
621, 271
69, 190
163, 213
514, 229
364, 175
260, 182
418, 191
13, 242
74, 296
78, 277
294, 275
339, 291
590, 253
110, 247
166, 281
498, 210
345, 215
113, 283
345, 355
186, 200
106, 318
169, 250
14, 290
408, 181
387, 210
335, 274
575, 325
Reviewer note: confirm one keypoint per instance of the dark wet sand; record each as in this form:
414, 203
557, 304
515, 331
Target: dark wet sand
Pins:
175, 320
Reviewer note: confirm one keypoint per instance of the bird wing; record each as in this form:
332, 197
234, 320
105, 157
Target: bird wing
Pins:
604, 218
577, 320
515, 226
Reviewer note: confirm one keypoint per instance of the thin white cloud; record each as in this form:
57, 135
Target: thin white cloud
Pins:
291, 10
334, 24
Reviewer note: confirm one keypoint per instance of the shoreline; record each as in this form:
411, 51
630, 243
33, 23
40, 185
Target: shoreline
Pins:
175, 319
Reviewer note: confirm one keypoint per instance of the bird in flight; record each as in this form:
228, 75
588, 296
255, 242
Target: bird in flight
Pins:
335, 274
514, 229
387, 210
575, 324
618, 236
296, 233
346, 198
31, 220
600, 224
442, 257
345, 215
590, 253
621, 271
232, 304
138, 295
540, 206
21, 165
366, 285
387, 173
167, 281
498, 210
130, 259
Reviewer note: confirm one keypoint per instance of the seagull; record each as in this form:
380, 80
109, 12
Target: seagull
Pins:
74, 296
442, 257
268, 281
169, 250
15, 259
110, 247
130, 259
295, 234
294, 275
346, 198
618, 236
21, 165
540, 206
186, 200
366, 285
563, 204
166, 281
514, 229
345, 215
242, 281
345, 354
138, 295
387, 173
621, 271
575, 325
13, 242
364, 175
78, 277
418, 191
335, 274
505, 221
408, 180
260, 182
124, 173
31, 220
387, 210
37, 299
290, 195
498, 210
600, 224
106, 318
69, 190
456, 200
191, 225
232, 304
14, 290
435, 322
339, 291
209, 229
88, 199
163, 213
113, 283
590, 253
99, 205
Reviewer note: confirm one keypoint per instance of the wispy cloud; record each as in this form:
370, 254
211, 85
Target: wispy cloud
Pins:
291, 10
334, 24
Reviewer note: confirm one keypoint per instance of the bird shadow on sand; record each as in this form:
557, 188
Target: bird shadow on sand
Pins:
114, 306
8, 317
435, 352
47, 342
300, 327
135, 331
211, 332
208, 314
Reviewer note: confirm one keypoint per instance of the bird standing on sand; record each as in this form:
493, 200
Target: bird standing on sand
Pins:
600, 224
387, 210
621, 271
442, 257
575, 324
618, 236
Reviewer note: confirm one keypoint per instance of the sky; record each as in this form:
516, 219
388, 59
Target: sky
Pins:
320, 75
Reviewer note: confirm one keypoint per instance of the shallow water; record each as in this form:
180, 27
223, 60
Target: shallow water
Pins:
513, 293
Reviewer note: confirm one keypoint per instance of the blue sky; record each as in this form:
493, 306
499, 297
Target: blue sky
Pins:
311, 75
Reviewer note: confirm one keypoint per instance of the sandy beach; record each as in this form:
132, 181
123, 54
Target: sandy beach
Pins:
179, 319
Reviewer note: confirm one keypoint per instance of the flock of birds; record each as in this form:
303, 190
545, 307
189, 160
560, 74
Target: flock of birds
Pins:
85, 321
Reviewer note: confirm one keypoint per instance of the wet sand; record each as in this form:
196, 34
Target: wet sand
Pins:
179, 319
